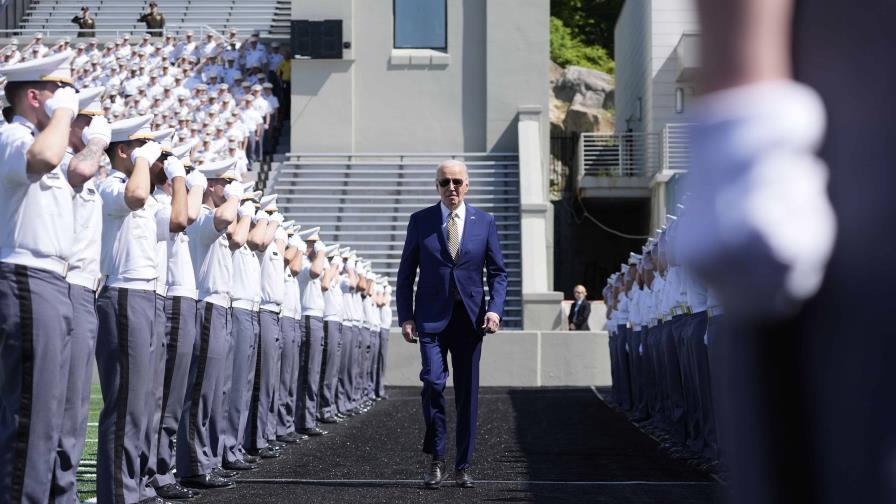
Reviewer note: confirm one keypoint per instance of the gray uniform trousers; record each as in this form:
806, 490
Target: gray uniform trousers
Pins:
34, 352
358, 365
363, 363
157, 353
197, 432
343, 387
624, 400
382, 354
219, 422
245, 345
267, 374
126, 328
329, 368
290, 338
181, 328
373, 357
310, 355
77, 395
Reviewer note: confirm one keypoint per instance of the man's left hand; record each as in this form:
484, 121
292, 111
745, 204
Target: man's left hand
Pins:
491, 323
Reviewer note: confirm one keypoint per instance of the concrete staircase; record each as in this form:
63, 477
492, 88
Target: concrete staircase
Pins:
364, 201
115, 17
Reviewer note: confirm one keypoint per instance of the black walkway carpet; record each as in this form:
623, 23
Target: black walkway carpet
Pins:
534, 445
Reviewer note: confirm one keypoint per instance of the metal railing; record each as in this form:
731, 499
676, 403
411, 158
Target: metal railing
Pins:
634, 154
105, 34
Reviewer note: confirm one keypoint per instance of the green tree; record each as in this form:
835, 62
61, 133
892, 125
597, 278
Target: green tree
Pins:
569, 49
593, 21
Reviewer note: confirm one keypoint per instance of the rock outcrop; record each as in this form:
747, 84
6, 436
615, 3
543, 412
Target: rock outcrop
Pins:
581, 100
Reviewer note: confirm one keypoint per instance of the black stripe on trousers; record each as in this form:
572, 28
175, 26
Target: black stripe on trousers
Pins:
323, 370
256, 390
197, 384
121, 409
170, 357
306, 342
26, 326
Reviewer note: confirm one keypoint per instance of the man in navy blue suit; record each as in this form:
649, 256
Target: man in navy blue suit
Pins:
450, 242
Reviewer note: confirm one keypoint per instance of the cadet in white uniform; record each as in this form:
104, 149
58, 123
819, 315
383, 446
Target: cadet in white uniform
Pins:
312, 339
385, 307
332, 351
290, 337
347, 283
34, 348
180, 334
245, 300
89, 137
212, 255
371, 314
126, 308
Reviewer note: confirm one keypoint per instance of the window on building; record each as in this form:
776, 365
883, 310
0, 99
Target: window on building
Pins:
420, 24
679, 100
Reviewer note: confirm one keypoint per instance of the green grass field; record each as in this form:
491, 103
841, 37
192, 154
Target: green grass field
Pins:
87, 469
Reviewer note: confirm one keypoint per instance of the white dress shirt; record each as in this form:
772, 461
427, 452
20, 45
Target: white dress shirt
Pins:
461, 215
129, 237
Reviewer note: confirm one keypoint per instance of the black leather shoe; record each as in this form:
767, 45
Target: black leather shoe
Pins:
313, 432
239, 465
462, 478
287, 439
295, 435
341, 416
330, 420
176, 492
265, 453
210, 480
153, 500
435, 474
251, 459
224, 473
277, 445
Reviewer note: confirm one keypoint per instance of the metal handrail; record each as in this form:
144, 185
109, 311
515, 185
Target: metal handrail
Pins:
113, 33
619, 155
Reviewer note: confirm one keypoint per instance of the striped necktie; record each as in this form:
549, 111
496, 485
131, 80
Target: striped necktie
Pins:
453, 238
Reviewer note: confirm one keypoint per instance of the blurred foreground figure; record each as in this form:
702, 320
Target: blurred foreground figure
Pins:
792, 193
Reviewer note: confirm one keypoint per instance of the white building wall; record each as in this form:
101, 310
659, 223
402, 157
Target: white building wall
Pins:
633, 71
669, 20
383, 100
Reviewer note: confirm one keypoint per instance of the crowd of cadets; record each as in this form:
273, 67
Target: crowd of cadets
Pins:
221, 332
223, 93
662, 321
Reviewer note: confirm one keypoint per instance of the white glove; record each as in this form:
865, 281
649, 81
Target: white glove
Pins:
247, 209
174, 168
63, 98
350, 265
99, 129
196, 179
150, 152
277, 217
336, 261
261, 215
295, 241
319, 246
280, 235
233, 190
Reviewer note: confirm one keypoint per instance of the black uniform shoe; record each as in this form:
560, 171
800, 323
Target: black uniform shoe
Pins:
224, 473
330, 420
313, 432
251, 459
176, 492
210, 480
265, 453
295, 435
434, 476
341, 416
277, 445
462, 478
239, 465
287, 439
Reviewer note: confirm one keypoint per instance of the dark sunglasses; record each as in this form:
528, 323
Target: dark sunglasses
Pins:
456, 181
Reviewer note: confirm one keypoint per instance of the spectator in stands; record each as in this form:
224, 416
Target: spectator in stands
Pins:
580, 310
10, 53
86, 23
36, 48
154, 19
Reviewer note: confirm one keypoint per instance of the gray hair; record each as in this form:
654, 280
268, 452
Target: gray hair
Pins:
452, 162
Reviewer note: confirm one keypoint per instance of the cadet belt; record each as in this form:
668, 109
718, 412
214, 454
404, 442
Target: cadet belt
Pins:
130, 283
180, 291
218, 299
27, 258
271, 307
84, 280
161, 288
245, 304
714, 312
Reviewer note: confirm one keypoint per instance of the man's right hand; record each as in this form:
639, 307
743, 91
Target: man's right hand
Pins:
409, 331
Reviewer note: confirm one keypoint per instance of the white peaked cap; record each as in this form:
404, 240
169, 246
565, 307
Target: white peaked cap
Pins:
164, 136
182, 150
54, 68
250, 195
332, 250
90, 102
311, 234
221, 169
134, 128
345, 252
269, 202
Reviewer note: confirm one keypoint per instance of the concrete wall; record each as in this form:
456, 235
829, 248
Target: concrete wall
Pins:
669, 20
380, 99
633, 71
519, 359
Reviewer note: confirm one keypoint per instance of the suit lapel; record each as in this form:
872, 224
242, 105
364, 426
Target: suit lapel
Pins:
469, 223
